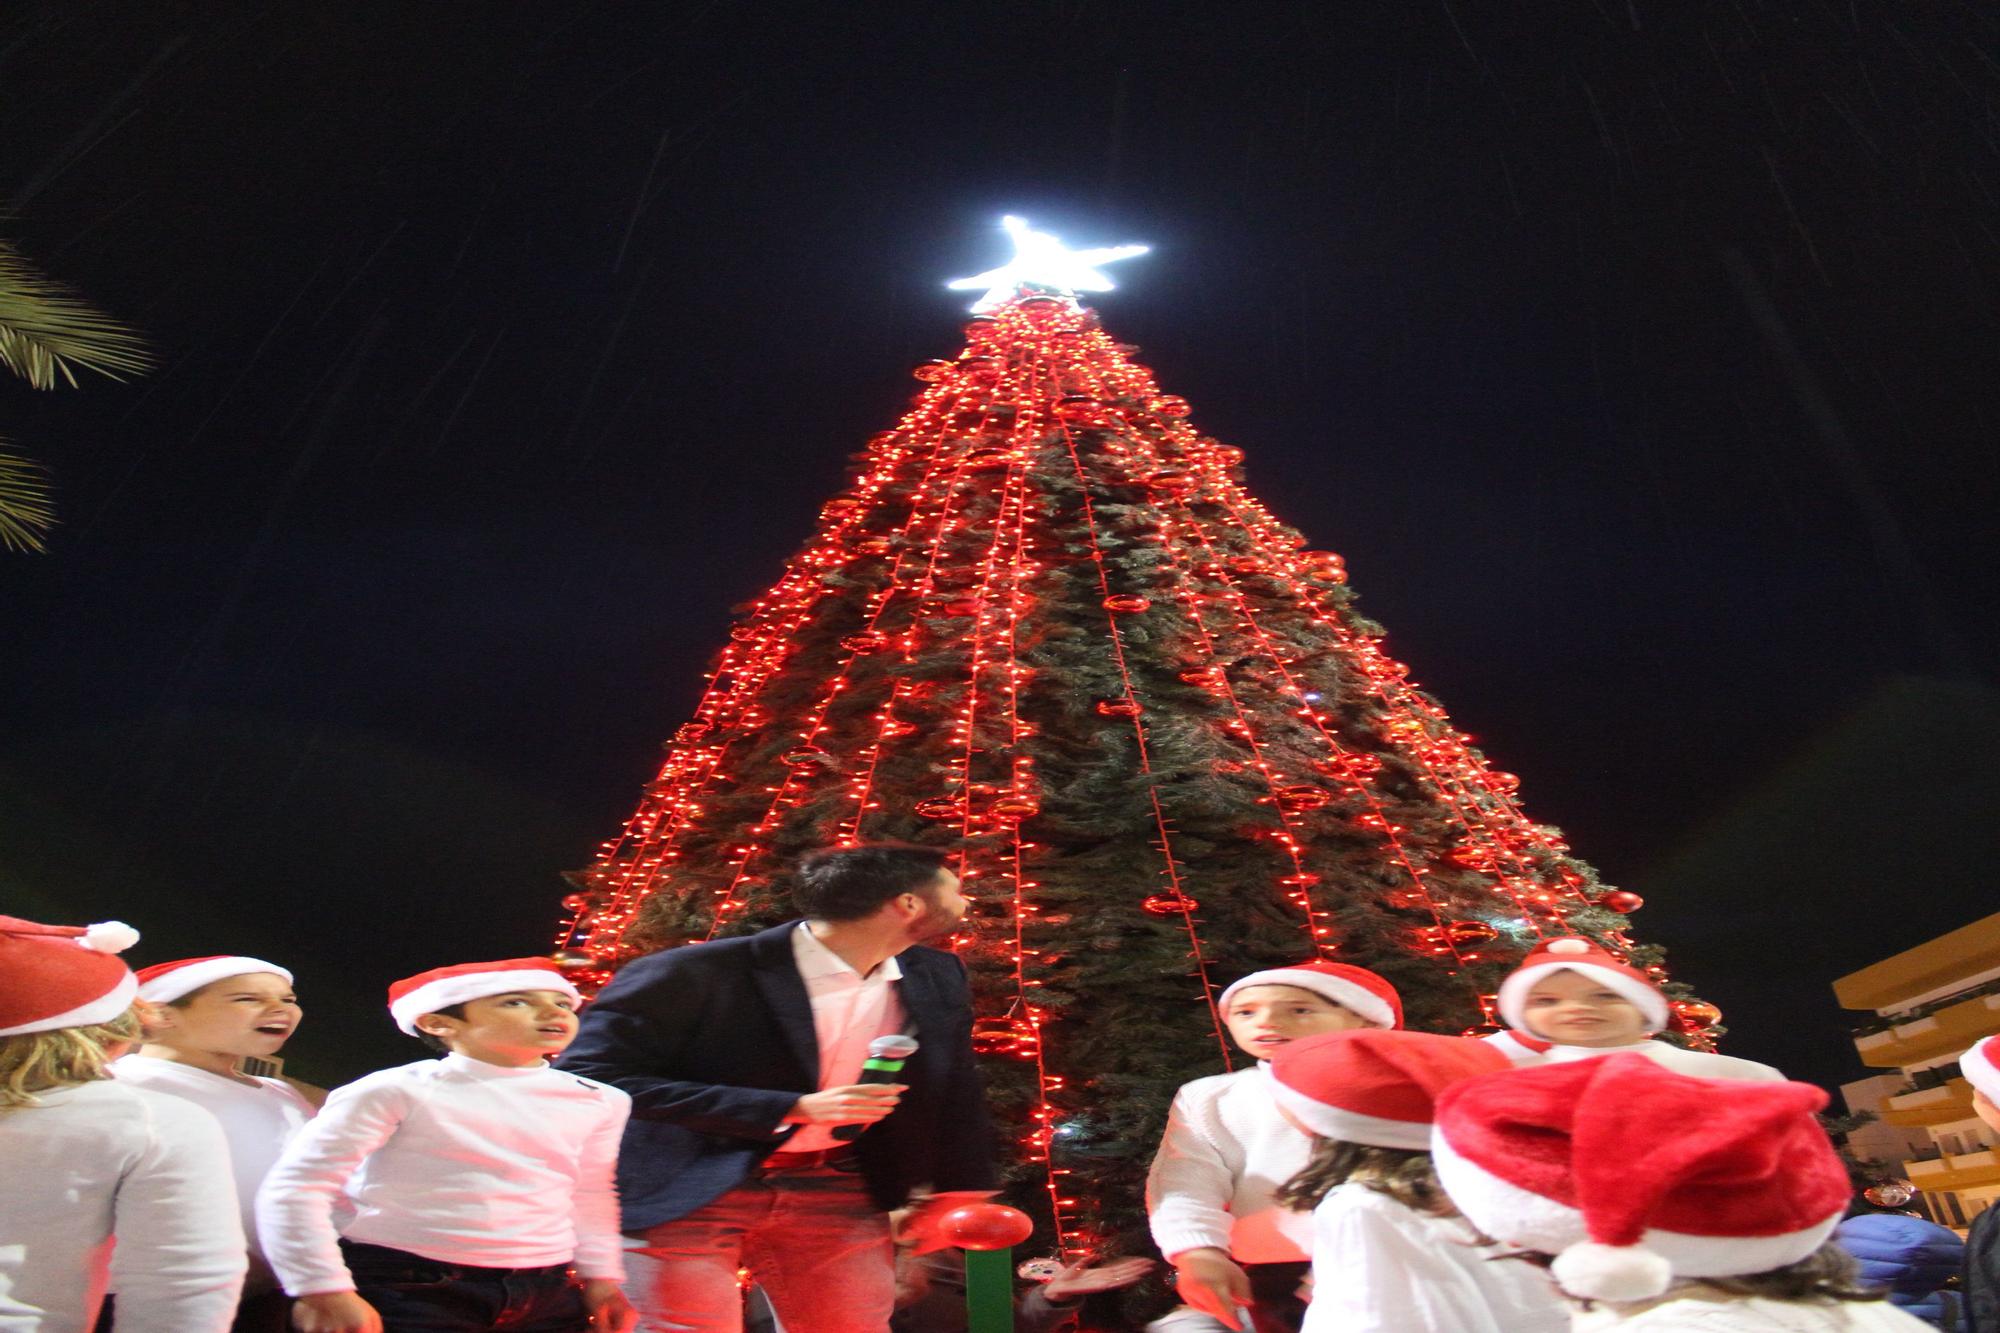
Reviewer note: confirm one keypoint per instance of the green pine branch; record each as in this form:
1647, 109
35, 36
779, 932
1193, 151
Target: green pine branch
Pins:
48, 332
26, 513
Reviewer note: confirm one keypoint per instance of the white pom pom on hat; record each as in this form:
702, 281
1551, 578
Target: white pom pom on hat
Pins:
1572, 953
1981, 1067
54, 977
1631, 1175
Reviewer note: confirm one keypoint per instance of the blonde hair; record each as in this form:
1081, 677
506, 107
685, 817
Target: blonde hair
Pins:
44, 1061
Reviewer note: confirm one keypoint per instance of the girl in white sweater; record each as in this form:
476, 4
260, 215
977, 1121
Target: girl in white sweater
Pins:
87, 1160
1390, 1253
1661, 1203
203, 1018
1211, 1194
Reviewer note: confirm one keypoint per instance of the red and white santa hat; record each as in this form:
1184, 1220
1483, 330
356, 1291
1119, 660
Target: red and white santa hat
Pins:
1354, 988
1369, 1086
1575, 954
1632, 1175
62, 976
442, 987
1981, 1067
163, 983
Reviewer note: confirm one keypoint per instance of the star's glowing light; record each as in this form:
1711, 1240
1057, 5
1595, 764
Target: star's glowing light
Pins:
1041, 260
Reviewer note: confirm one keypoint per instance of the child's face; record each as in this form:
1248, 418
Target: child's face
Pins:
1263, 1018
520, 1028
1571, 1009
251, 1015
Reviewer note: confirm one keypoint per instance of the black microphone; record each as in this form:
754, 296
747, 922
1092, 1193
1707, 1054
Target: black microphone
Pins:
884, 1063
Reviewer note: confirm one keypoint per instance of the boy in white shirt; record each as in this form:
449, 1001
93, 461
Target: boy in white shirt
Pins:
203, 1017
474, 1182
1211, 1195
1572, 1000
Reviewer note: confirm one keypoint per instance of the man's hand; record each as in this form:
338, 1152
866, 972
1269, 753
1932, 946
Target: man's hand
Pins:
1079, 1280
335, 1312
609, 1311
855, 1104
1211, 1282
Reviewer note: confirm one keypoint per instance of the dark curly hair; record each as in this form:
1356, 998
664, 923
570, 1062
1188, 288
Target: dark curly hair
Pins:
1404, 1174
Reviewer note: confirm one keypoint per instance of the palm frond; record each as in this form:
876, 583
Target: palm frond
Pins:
26, 512
48, 332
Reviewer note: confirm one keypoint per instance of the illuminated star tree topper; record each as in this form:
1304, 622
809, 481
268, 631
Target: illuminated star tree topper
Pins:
1043, 261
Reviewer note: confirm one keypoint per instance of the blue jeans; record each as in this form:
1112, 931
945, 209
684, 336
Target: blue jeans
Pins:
418, 1295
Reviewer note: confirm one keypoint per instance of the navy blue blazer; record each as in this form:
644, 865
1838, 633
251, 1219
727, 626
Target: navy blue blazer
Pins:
715, 1044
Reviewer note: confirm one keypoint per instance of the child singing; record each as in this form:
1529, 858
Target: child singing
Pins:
1211, 1194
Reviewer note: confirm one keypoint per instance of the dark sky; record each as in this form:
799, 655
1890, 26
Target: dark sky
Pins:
1638, 354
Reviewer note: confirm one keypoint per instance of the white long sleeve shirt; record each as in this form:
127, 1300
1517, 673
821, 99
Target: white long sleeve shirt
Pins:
456, 1160
1224, 1155
1699, 1309
1694, 1064
258, 1116
100, 1161
1382, 1267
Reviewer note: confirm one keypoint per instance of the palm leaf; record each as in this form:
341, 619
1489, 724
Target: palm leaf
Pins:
48, 333
26, 513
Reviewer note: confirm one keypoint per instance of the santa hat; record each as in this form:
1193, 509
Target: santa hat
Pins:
1574, 954
1981, 1067
62, 976
1354, 988
442, 987
1373, 1087
1632, 1175
163, 983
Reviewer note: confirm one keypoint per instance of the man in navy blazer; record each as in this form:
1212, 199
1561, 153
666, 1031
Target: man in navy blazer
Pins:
741, 1057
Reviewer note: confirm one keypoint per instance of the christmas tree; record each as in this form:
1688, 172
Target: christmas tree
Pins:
1048, 627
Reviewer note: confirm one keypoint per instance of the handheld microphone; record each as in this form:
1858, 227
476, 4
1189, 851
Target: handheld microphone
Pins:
884, 1063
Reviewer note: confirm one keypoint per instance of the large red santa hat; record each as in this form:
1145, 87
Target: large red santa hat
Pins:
1354, 988
442, 987
163, 983
1632, 1175
62, 976
1374, 1087
1575, 954
1981, 1067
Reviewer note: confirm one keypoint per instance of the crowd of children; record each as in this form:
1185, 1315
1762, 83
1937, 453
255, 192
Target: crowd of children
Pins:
1572, 1173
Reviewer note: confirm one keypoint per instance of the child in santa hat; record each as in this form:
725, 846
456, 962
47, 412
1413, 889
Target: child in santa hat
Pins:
470, 1183
1980, 1282
1390, 1254
1572, 1000
1661, 1203
87, 1160
1211, 1194
203, 1017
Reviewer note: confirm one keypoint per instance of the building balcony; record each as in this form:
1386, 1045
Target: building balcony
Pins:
1946, 1032
1931, 1106
1955, 1171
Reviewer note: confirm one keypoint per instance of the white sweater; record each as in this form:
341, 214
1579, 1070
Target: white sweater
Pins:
1695, 1064
97, 1161
1224, 1155
1382, 1267
1699, 1309
258, 1118
456, 1160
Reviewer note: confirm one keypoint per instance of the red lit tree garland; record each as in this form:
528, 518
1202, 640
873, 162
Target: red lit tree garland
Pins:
1048, 627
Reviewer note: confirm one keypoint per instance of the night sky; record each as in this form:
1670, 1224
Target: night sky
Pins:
1639, 355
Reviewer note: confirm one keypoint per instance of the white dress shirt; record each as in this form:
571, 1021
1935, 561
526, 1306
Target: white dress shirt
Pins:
849, 1011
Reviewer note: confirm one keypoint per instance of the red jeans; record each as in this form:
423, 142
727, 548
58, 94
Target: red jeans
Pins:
810, 1237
